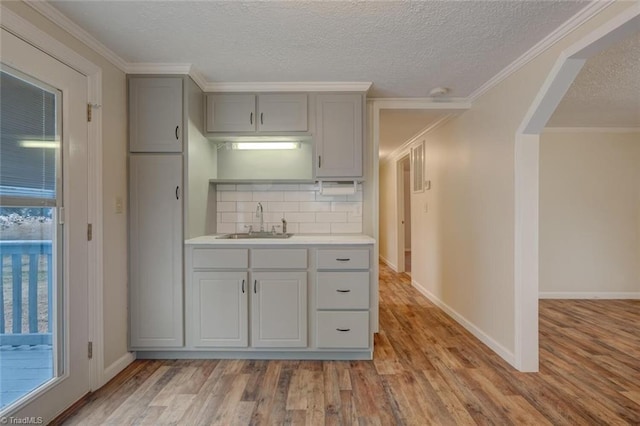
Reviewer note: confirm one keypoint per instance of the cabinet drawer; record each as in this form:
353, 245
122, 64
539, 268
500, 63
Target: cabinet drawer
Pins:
279, 258
343, 290
220, 258
343, 259
342, 329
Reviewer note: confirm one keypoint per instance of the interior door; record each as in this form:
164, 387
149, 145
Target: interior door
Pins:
65, 193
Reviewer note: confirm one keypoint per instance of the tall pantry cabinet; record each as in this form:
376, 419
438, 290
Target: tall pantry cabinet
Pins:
156, 169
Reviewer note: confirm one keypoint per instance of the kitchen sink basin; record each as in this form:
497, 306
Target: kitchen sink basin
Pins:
254, 235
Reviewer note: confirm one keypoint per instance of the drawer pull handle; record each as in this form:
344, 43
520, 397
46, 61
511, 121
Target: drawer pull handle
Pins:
255, 283
343, 329
343, 291
242, 286
343, 259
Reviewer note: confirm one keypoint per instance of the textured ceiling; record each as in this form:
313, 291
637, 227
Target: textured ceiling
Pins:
606, 92
397, 126
404, 48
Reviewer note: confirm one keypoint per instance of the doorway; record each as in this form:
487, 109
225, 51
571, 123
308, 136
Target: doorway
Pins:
404, 214
43, 242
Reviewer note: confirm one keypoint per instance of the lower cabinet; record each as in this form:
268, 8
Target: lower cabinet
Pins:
220, 309
263, 300
279, 309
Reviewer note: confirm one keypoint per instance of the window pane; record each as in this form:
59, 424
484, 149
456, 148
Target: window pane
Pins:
29, 143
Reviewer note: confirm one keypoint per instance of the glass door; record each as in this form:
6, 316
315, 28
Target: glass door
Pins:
30, 153
44, 365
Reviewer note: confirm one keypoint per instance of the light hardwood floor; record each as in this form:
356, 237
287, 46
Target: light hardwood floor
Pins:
426, 370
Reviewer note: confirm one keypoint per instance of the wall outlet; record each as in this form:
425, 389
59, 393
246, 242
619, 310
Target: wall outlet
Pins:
119, 205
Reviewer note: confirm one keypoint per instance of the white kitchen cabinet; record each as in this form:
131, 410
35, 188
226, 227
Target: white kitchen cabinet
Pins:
282, 113
229, 113
155, 242
338, 136
279, 309
155, 114
220, 309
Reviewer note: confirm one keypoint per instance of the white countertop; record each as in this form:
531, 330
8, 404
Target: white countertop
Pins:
294, 240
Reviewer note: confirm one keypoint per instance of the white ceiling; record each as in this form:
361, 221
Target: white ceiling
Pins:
404, 48
606, 92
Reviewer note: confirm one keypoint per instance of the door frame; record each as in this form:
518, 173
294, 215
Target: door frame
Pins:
527, 165
28, 32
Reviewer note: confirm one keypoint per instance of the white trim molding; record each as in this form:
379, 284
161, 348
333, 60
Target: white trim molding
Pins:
558, 34
117, 366
452, 104
299, 86
58, 18
388, 263
604, 295
591, 130
503, 352
404, 149
158, 68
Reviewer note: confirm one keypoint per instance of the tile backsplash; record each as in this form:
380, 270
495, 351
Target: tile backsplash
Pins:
301, 205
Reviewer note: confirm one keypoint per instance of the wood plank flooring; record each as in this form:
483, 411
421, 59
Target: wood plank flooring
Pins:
426, 370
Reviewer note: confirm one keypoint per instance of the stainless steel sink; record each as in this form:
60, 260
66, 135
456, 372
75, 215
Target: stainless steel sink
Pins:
254, 235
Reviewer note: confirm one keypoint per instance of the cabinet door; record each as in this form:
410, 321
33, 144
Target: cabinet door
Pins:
155, 232
231, 113
155, 114
220, 303
285, 113
339, 136
279, 309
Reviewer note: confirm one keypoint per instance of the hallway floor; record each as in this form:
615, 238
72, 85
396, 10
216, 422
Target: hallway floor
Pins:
427, 369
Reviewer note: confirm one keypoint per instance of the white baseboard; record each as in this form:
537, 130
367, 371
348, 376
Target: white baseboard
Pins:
389, 264
120, 364
504, 353
588, 295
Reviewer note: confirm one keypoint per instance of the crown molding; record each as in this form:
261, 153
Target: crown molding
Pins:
158, 68
300, 86
54, 15
591, 130
404, 148
421, 103
197, 77
570, 25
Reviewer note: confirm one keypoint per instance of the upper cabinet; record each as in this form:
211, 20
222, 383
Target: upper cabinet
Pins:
338, 135
155, 114
257, 113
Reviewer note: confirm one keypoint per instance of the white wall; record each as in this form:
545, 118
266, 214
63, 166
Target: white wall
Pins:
463, 246
114, 143
589, 214
388, 232
202, 166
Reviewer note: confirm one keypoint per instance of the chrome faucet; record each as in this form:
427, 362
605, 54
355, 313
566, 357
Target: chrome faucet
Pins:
260, 214
284, 226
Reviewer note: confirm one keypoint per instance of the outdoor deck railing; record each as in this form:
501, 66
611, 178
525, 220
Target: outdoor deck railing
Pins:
17, 252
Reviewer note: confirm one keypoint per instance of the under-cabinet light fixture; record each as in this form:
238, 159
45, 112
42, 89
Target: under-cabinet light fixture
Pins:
265, 145
40, 144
